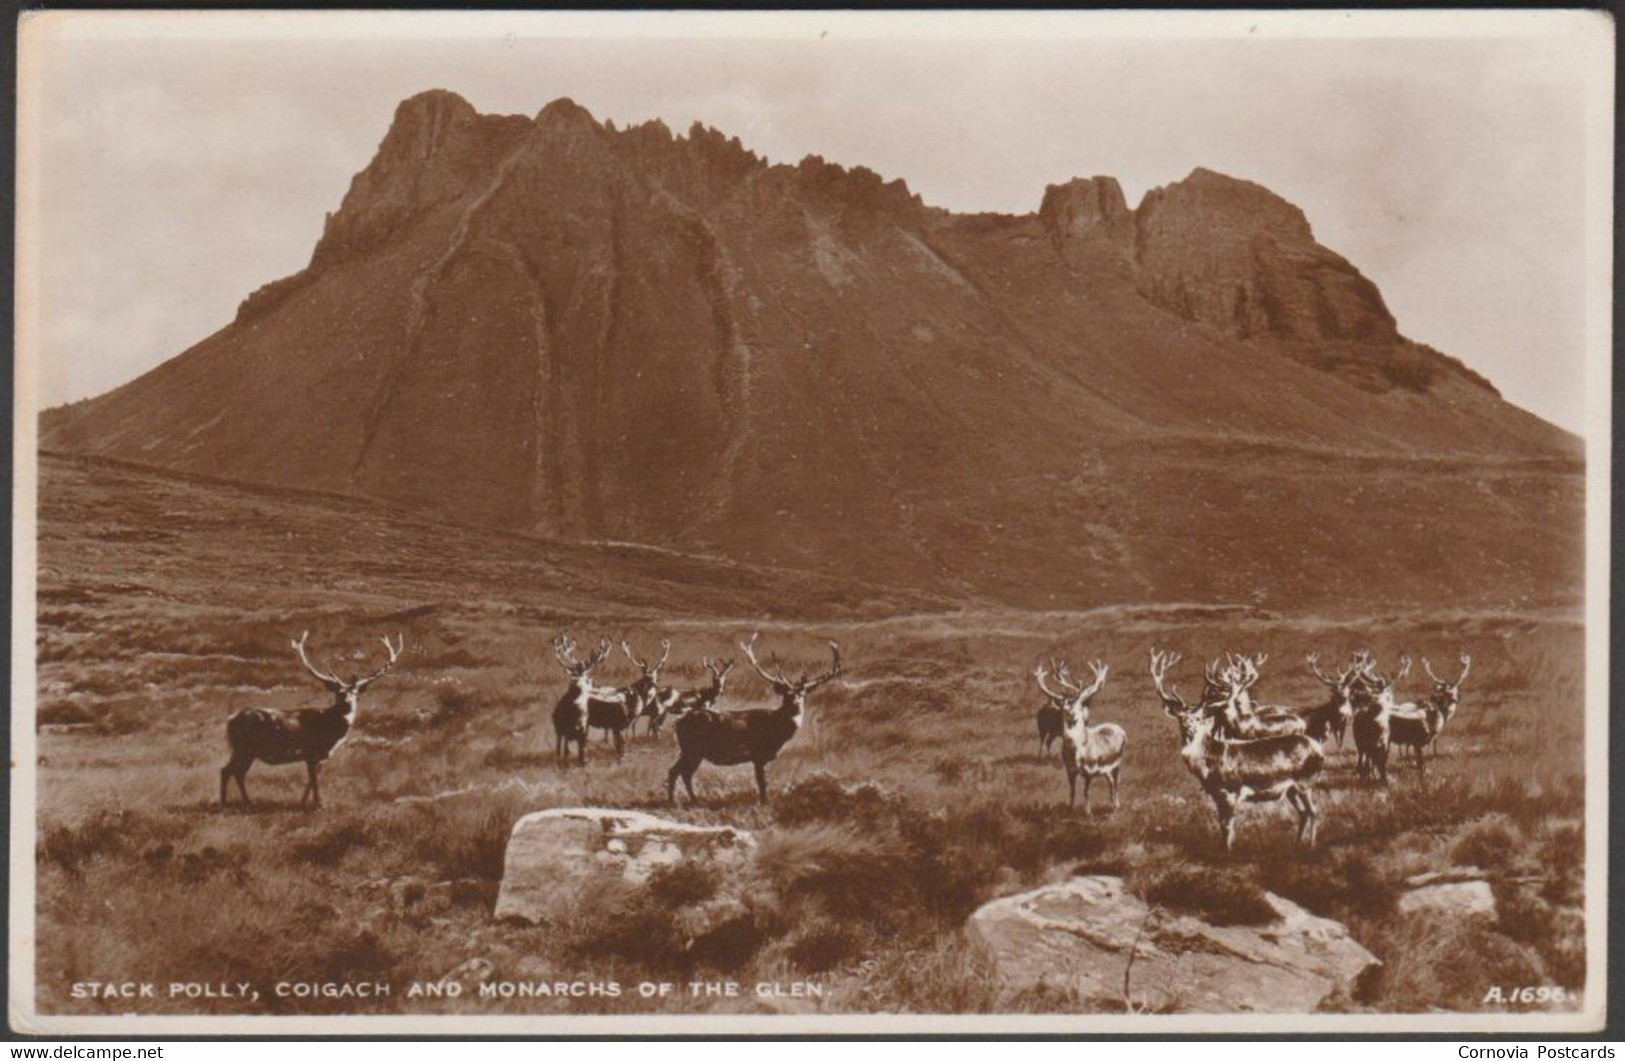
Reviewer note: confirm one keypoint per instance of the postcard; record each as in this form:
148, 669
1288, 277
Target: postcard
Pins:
788, 522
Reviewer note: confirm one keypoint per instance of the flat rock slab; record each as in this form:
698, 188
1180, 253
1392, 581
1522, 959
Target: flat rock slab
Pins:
1469, 898
553, 850
1078, 934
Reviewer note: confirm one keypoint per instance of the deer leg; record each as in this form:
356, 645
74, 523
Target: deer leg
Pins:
1072, 786
761, 781
313, 789
620, 745
1227, 819
1308, 819
1112, 777
227, 772
1088, 780
671, 780
688, 779
1295, 798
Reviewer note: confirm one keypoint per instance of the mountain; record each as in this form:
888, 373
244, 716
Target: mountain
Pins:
556, 326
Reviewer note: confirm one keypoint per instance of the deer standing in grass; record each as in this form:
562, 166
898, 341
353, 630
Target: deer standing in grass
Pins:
1233, 772
644, 696
1051, 715
1093, 751
1416, 726
574, 711
1331, 718
675, 703
732, 738
1373, 721
306, 736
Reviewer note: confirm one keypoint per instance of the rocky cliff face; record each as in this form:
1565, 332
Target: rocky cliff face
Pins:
1235, 255
559, 326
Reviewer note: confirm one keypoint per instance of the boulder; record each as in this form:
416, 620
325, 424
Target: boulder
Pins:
1463, 891
1078, 935
553, 851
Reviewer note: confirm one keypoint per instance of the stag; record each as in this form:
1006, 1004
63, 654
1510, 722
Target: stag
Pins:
644, 695
675, 703
731, 738
1051, 715
1234, 772
1093, 751
1331, 718
575, 710
1416, 726
1446, 695
1374, 716
306, 736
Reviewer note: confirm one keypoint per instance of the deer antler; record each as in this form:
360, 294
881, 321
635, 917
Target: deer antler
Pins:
564, 647
1314, 666
321, 676
834, 670
1040, 674
598, 654
394, 654
1099, 669
643, 665
1466, 665
1404, 669
1063, 674
749, 648
1160, 662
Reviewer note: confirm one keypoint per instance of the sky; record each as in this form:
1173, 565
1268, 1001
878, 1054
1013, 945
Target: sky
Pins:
183, 160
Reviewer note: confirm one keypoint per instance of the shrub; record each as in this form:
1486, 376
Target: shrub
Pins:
824, 945
329, 844
1340, 885
821, 797
1448, 964
1556, 932
1217, 896
1490, 843
851, 875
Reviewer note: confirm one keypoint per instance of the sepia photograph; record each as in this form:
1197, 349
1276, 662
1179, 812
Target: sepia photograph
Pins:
797, 522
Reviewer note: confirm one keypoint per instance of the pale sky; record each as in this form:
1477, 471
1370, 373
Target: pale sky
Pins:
185, 162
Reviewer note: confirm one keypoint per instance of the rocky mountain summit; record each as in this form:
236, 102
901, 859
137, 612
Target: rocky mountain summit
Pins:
555, 325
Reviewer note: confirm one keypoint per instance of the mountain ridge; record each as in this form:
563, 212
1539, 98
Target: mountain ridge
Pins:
556, 325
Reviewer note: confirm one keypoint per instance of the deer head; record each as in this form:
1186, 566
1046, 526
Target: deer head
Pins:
1076, 705
643, 691
564, 647
1342, 686
1448, 694
1378, 690
719, 674
347, 691
793, 693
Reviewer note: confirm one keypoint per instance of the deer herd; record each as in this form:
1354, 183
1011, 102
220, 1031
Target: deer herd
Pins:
1239, 751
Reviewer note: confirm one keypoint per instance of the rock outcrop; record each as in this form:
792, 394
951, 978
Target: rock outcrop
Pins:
1235, 255
1079, 934
552, 852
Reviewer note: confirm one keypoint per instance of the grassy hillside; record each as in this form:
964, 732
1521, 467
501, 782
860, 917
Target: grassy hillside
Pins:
913, 793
